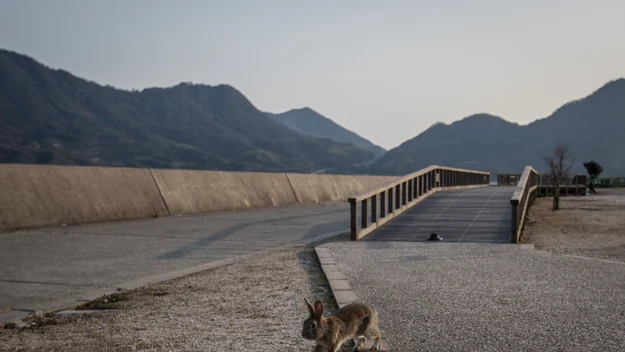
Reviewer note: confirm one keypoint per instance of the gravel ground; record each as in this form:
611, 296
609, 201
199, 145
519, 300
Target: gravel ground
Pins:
592, 226
256, 305
472, 297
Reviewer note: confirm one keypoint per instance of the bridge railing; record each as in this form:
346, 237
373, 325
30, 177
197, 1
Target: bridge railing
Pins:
381, 205
508, 179
522, 199
573, 185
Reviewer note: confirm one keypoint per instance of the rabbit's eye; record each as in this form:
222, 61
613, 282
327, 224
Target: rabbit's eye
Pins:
314, 324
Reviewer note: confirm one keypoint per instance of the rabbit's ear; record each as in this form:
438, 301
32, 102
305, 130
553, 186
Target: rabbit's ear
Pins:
319, 309
310, 307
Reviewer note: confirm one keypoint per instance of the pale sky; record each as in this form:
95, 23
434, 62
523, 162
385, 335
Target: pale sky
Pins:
386, 70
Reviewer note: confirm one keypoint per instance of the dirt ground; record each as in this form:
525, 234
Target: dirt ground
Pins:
590, 226
255, 305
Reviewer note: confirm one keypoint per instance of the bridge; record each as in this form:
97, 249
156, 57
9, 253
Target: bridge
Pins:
71, 234
455, 204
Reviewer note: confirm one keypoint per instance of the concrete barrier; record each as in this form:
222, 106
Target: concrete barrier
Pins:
42, 195
324, 188
188, 192
39, 195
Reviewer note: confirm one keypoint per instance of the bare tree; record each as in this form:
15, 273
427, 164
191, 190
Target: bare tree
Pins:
558, 171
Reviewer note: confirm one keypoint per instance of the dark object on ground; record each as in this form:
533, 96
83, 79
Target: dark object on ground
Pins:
435, 237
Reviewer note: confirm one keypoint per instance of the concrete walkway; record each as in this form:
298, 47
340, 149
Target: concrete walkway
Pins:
479, 215
55, 267
483, 297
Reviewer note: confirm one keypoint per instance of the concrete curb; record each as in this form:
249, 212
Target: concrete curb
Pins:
87, 296
339, 284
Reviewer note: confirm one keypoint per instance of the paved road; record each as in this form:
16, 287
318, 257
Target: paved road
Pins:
486, 297
472, 215
43, 268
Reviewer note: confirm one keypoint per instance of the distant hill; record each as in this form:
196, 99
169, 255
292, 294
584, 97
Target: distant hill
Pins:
310, 122
594, 127
52, 117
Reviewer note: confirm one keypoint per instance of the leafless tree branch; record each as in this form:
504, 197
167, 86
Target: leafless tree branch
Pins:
559, 170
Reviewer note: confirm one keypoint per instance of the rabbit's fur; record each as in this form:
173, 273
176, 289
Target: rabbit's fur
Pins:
356, 320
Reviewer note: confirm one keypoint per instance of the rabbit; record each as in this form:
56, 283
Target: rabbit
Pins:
355, 320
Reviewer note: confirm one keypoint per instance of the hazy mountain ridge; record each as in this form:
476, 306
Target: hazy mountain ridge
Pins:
593, 127
53, 117
312, 123
50, 116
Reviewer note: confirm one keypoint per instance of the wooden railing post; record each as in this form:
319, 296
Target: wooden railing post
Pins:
374, 209
428, 187
382, 204
397, 197
353, 213
514, 236
363, 209
403, 193
432, 180
420, 182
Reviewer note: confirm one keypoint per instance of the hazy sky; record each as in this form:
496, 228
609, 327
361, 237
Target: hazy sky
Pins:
384, 69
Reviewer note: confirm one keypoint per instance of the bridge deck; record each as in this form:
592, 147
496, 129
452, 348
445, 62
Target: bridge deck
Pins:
473, 215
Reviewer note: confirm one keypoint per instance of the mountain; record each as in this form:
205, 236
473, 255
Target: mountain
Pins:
592, 127
310, 122
52, 117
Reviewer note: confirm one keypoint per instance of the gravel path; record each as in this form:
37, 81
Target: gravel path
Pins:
592, 226
256, 305
491, 297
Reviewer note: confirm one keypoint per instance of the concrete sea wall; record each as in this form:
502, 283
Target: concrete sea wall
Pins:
42, 195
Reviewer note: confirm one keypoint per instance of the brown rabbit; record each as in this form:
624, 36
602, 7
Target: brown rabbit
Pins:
355, 320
